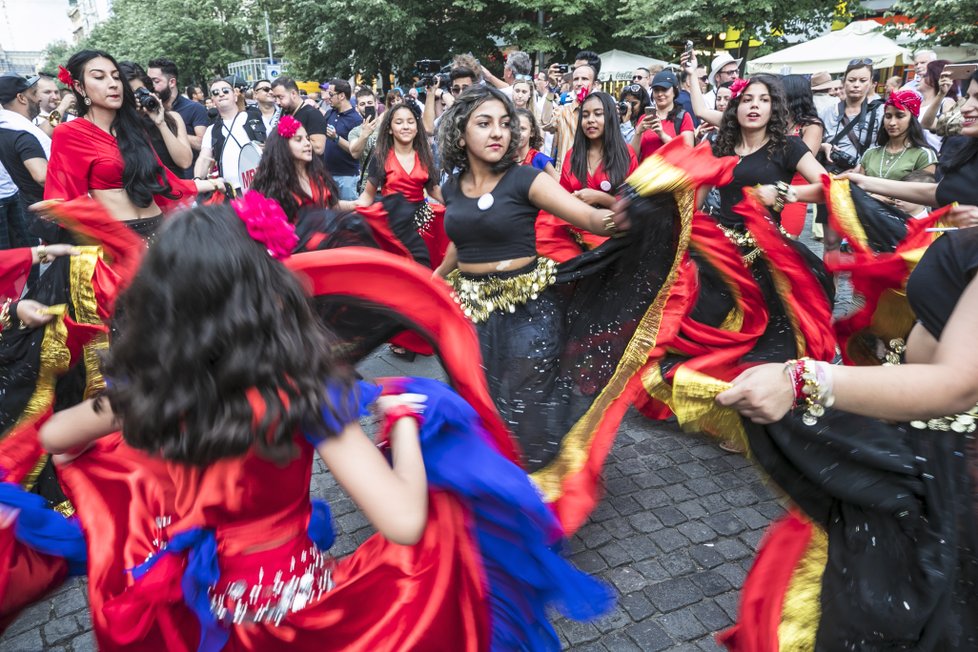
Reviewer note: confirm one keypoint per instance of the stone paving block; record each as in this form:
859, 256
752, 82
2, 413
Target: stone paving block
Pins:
620, 486
707, 451
577, 633
711, 583
84, 643
771, 510
733, 572
732, 549
669, 540
59, 629
726, 523
614, 554
679, 493
627, 579
718, 465
709, 644
714, 504
637, 606
613, 622
677, 564
594, 535
751, 518
649, 637
697, 532
729, 479
740, 497
682, 625
706, 555
680, 456
29, 641
752, 539
695, 469
728, 602
672, 474
712, 616
603, 512
641, 547
692, 509
618, 528
625, 505
652, 498
764, 491
673, 594
589, 561
645, 522
619, 642
702, 486
32, 617
648, 479
70, 602
669, 515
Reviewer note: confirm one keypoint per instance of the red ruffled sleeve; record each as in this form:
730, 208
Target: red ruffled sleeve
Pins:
70, 165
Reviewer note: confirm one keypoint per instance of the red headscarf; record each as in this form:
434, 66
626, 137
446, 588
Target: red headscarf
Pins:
905, 101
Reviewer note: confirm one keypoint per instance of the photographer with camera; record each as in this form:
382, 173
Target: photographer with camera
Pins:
363, 137
163, 74
165, 129
631, 108
458, 80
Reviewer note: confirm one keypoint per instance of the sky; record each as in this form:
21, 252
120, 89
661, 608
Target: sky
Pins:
33, 24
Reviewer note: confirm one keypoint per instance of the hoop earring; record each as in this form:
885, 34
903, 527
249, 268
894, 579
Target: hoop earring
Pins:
88, 101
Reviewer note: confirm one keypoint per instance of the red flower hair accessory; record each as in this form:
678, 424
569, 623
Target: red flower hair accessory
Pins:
65, 77
907, 100
287, 126
737, 87
267, 224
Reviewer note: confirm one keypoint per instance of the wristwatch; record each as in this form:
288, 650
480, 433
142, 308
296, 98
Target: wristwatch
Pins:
54, 118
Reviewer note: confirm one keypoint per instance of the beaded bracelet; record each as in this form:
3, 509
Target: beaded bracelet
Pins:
5, 315
812, 385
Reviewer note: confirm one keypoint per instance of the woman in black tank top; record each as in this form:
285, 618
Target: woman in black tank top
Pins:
560, 343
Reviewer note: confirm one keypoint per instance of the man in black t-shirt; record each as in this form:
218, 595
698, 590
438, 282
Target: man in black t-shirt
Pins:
21, 153
163, 74
286, 94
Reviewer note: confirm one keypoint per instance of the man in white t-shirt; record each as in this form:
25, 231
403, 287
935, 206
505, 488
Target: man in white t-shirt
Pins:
232, 137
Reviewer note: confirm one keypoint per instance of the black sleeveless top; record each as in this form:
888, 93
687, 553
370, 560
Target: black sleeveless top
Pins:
502, 231
941, 276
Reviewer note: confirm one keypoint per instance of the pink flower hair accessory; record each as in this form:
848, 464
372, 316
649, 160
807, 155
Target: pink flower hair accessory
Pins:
267, 224
287, 126
65, 77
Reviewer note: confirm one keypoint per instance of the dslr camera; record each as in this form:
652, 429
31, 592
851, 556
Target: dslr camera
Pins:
843, 160
427, 69
147, 100
623, 109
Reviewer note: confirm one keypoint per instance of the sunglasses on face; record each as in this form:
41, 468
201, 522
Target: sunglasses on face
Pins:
216, 92
861, 62
638, 77
263, 88
634, 88
704, 78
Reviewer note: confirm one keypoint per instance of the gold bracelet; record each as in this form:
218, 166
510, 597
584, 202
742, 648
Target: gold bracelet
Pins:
5, 315
608, 219
42, 253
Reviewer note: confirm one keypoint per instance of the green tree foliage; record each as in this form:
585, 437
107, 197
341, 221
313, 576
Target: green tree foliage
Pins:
671, 22
55, 55
200, 36
944, 22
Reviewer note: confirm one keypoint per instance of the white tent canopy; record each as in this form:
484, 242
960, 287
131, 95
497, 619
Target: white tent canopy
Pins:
618, 64
834, 51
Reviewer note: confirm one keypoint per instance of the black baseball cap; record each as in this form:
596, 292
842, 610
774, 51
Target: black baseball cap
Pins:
11, 85
664, 79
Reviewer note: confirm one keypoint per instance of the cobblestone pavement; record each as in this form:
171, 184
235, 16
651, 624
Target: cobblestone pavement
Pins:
674, 535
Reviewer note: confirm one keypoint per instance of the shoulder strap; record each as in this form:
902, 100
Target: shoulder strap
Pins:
217, 142
839, 135
677, 122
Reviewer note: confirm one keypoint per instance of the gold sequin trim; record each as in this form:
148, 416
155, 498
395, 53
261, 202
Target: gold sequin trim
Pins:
82, 270
654, 176
479, 297
65, 508
801, 606
840, 203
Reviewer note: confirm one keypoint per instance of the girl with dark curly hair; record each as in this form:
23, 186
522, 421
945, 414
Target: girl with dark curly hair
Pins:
803, 121
204, 488
560, 342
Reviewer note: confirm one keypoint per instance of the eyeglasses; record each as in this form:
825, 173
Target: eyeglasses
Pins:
215, 92
263, 88
861, 62
729, 72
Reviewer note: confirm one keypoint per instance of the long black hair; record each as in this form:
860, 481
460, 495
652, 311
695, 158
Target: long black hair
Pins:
639, 93
229, 326
614, 158
385, 145
801, 102
277, 179
454, 121
143, 175
777, 127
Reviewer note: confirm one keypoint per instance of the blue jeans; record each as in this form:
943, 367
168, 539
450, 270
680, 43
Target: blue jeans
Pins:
347, 187
13, 224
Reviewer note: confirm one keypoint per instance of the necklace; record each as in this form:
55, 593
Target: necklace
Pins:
886, 155
753, 150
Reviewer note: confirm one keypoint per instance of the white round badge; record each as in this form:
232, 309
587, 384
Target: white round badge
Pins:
485, 202
605, 185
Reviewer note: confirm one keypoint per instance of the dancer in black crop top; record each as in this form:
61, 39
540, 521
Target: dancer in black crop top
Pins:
491, 207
